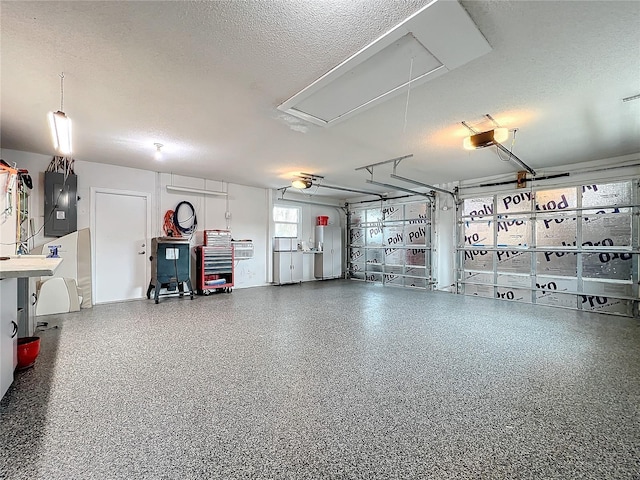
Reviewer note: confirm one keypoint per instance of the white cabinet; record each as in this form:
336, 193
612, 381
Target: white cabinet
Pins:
328, 264
287, 267
26, 306
8, 332
10, 271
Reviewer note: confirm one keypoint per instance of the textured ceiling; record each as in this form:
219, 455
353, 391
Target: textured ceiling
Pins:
205, 78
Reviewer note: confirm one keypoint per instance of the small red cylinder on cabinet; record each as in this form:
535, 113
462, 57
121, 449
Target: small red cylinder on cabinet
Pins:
322, 220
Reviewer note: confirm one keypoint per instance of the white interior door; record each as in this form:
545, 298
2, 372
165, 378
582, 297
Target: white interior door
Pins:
121, 246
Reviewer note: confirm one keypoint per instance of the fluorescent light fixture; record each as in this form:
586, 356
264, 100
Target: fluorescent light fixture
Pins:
485, 139
199, 191
60, 126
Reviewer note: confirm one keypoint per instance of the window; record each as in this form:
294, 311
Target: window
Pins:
286, 221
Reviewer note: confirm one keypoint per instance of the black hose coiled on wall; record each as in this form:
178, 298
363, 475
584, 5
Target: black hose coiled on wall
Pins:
194, 224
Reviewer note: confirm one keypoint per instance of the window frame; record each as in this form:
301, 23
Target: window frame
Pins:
276, 222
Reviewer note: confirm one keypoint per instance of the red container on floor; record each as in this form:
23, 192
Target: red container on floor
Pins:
322, 220
28, 350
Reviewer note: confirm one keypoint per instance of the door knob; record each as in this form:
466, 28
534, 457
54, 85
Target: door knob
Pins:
141, 253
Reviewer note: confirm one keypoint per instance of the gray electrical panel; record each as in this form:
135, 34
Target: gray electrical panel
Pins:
60, 204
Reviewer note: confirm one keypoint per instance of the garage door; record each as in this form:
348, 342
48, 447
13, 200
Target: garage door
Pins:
574, 247
391, 244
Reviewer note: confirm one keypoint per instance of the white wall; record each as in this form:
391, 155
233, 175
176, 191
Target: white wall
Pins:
248, 217
250, 212
444, 221
309, 214
249, 207
89, 175
8, 214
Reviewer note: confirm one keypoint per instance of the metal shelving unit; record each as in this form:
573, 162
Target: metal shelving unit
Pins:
22, 230
242, 249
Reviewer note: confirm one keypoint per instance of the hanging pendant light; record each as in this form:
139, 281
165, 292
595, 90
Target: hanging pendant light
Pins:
60, 126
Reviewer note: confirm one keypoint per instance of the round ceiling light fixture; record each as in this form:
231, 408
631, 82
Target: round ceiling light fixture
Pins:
158, 154
301, 183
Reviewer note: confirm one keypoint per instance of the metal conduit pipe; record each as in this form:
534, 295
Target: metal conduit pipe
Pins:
347, 273
420, 184
380, 199
507, 182
547, 177
339, 207
364, 192
604, 169
396, 187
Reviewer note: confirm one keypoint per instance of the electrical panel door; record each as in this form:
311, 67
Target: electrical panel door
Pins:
60, 204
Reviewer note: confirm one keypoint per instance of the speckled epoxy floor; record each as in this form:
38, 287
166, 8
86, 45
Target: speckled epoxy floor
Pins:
334, 379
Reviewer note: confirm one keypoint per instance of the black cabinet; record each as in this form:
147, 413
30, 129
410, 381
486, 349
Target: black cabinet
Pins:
170, 267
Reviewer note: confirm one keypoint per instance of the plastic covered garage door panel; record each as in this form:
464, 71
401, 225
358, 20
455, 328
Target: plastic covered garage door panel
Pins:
391, 244
574, 247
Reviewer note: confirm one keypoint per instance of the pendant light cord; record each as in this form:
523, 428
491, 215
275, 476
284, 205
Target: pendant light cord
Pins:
406, 107
62, 92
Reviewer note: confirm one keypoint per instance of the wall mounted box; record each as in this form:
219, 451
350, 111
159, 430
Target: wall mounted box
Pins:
60, 204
